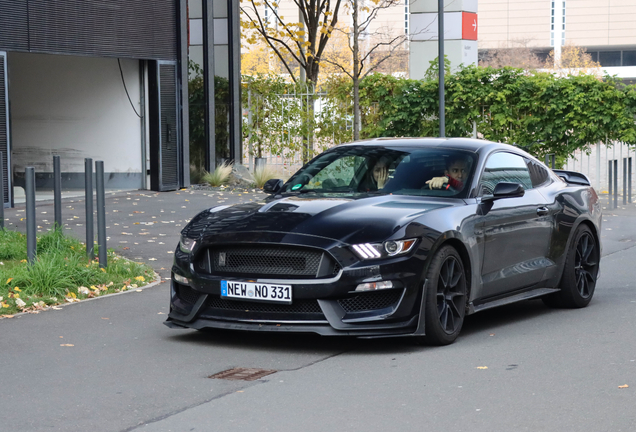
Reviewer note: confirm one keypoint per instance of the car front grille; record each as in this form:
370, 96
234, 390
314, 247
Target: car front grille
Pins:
371, 300
266, 261
300, 310
298, 306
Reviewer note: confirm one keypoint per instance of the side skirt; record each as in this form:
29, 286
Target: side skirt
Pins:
526, 295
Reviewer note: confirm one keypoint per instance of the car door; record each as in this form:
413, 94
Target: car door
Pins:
516, 231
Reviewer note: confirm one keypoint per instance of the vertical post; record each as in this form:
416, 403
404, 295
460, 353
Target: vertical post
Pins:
598, 165
88, 186
1, 191
615, 183
57, 192
234, 63
440, 44
29, 177
552, 156
208, 85
629, 180
624, 181
101, 213
609, 179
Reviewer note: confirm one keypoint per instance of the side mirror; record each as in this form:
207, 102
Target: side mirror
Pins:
505, 190
272, 186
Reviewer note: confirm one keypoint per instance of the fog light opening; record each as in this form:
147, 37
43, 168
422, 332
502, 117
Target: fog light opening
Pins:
373, 286
181, 279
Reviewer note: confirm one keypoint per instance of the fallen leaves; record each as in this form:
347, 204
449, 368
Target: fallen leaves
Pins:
67, 345
623, 386
481, 367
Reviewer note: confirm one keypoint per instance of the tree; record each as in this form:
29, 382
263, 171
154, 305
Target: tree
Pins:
520, 55
379, 45
574, 60
294, 42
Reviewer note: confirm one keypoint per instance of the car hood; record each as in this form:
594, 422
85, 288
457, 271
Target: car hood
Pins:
349, 220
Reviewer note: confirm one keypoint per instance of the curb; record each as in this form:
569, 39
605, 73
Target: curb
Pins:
154, 283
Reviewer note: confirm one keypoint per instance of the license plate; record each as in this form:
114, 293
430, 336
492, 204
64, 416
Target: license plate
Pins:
256, 291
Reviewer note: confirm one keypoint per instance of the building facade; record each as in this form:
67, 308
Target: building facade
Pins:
105, 80
605, 28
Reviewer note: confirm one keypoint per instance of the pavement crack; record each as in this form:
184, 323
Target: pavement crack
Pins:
179, 411
263, 381
314, 362
622, 250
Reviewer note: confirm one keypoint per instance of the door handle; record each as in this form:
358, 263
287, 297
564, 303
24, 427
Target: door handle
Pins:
542, 211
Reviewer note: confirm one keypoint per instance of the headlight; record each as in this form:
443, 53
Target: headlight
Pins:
187, 244
397, 247
388, 248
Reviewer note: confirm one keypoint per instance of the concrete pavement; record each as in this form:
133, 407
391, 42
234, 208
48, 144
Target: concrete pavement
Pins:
548, 370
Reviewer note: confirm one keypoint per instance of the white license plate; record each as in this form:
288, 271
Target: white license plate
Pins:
256, 291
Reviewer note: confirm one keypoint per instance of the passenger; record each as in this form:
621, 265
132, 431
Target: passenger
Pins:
377, 177
454, 176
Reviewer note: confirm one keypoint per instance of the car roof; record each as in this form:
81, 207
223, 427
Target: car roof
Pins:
470, 144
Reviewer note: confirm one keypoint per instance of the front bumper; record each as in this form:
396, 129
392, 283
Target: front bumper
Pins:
328, 307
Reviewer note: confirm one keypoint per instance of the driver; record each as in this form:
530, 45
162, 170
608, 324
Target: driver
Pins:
454, 176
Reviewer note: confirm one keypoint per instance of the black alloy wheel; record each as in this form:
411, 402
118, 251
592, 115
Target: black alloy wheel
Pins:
446, 298
579, 273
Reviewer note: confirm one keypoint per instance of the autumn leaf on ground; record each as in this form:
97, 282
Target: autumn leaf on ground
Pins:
67, 345
481, 367
623, 386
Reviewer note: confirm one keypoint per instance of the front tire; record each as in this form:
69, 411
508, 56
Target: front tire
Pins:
579, 273
446, 297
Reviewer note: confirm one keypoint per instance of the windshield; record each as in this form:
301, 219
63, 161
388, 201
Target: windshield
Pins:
384, 170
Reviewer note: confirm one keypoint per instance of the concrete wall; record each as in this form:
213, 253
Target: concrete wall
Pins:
75, 107
506, 23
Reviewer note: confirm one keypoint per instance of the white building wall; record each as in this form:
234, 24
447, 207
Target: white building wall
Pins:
75, 107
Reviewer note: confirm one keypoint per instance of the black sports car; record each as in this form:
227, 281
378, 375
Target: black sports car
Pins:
391, 237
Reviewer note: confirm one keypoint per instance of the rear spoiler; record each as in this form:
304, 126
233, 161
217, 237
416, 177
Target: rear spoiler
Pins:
573, 177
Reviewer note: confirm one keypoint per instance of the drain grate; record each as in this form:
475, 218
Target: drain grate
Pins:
242, 374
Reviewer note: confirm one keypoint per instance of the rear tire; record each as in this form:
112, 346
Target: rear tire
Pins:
446, 296
579, 273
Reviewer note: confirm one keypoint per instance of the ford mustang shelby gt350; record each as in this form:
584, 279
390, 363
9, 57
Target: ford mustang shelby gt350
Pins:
391, 237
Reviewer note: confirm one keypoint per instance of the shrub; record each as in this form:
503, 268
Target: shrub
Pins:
264, 173
219, 176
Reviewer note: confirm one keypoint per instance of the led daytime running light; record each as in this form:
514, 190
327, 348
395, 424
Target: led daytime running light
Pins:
366, 251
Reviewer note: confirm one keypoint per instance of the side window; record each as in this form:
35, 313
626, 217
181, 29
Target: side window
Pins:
538, 174
504, 167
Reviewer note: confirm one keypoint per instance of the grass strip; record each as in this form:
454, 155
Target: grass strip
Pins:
61, 273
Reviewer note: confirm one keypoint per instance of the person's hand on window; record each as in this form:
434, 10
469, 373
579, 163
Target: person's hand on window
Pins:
382, 177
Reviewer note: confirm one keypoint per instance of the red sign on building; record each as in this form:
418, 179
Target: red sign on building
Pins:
469, 26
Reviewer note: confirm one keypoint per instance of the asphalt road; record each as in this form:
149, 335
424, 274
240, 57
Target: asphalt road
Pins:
517, 368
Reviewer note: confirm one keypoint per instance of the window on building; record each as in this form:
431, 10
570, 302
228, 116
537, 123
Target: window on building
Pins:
594, 55
629, 58
406, 17
609, 58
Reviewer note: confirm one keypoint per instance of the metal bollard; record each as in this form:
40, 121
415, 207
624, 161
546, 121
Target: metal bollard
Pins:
615, 183
609, 180
1, 191
629, 180
101, 213
57, 192
29, 177
624, 181
88, 186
